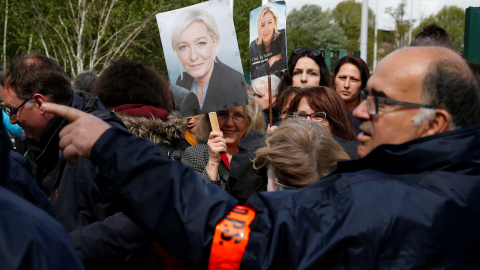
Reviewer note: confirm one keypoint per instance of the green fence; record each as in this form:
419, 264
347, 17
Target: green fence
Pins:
332, 57
471, 49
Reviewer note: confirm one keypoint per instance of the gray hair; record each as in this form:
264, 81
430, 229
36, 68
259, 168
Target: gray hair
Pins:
450, 85
84, 81
260, 85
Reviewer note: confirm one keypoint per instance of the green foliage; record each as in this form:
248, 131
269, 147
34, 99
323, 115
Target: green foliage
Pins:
450, 18
52, 28
348, 15
310, 27
241, 18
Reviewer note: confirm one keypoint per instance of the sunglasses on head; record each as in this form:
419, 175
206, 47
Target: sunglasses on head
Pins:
311, 52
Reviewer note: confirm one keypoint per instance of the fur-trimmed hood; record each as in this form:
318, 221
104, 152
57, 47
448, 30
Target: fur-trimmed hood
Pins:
170, 132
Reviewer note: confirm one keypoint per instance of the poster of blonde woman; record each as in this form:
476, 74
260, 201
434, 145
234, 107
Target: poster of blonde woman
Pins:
268, 42
202, 57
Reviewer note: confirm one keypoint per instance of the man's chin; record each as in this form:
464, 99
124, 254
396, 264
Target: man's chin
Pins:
363, 150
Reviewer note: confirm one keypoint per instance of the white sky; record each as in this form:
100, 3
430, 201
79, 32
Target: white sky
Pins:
421, 8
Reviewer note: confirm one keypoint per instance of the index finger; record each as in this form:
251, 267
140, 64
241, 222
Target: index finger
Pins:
69, 113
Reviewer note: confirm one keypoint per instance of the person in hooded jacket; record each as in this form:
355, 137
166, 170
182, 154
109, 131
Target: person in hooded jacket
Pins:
143, 100
103, 236
411, 201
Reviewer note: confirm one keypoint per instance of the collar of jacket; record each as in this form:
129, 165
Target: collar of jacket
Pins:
455, 150
156, 130
142, 110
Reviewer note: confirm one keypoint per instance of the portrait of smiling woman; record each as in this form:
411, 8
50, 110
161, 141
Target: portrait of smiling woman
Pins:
195, 39
267, 51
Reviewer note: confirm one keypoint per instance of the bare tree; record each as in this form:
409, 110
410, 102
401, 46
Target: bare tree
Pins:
402, 25
5, 37
84, 33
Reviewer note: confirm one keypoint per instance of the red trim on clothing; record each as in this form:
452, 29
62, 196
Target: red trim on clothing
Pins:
225, 161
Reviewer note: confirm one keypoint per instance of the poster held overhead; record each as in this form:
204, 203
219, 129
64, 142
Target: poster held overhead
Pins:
202, 57
268, 41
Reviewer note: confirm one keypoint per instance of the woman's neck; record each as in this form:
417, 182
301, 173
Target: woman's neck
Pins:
351, 105
232, 149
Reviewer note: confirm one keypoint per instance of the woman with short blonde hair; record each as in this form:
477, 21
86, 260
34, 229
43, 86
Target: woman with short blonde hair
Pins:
212, 155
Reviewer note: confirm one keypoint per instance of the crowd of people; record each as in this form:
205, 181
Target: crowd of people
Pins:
370, 170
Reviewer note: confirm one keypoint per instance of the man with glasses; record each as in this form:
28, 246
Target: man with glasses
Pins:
411, 202
103, 236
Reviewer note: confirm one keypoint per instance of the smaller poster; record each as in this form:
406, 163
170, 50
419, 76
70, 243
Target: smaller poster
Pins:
268, 40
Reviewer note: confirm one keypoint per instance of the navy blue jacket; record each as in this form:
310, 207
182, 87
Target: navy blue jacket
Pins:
30, 238
19, 179
413, 205
103, 236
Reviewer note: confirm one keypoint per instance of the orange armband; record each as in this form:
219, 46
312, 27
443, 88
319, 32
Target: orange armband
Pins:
231, 238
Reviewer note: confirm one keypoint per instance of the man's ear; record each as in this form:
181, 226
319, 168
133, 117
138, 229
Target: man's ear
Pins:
39, 100
439, 124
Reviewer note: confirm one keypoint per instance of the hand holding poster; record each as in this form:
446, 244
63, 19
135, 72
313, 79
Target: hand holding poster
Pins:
202, 56
268, 50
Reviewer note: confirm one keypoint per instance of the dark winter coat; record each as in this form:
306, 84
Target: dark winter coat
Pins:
413, 205
103, 236
196, 157
167, 135
30, 238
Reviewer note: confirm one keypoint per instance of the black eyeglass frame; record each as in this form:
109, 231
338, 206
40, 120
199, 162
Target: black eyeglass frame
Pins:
10, 113
382, 100
294, 114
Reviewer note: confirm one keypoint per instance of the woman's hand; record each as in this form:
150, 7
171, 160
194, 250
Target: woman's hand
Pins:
216, 146
271, 128
274, 59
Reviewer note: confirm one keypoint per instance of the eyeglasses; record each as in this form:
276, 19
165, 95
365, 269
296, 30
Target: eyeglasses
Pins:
311, 52
373, 101
316, 116
283, 113
284, 187
11, 113
223, 117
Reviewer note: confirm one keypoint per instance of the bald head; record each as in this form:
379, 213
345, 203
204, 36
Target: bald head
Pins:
420, 91
436, 76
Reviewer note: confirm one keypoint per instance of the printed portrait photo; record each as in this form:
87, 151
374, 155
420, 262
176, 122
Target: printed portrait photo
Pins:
202, 57
268, 41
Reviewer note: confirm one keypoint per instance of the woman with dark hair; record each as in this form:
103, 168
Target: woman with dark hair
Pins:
142, 99
305, 66
351, 75
324, 105
127, 82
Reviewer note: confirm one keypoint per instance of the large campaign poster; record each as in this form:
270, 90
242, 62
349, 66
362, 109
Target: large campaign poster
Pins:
202, 57
268, 41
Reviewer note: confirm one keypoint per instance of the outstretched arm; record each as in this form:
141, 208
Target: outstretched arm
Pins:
168, 199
